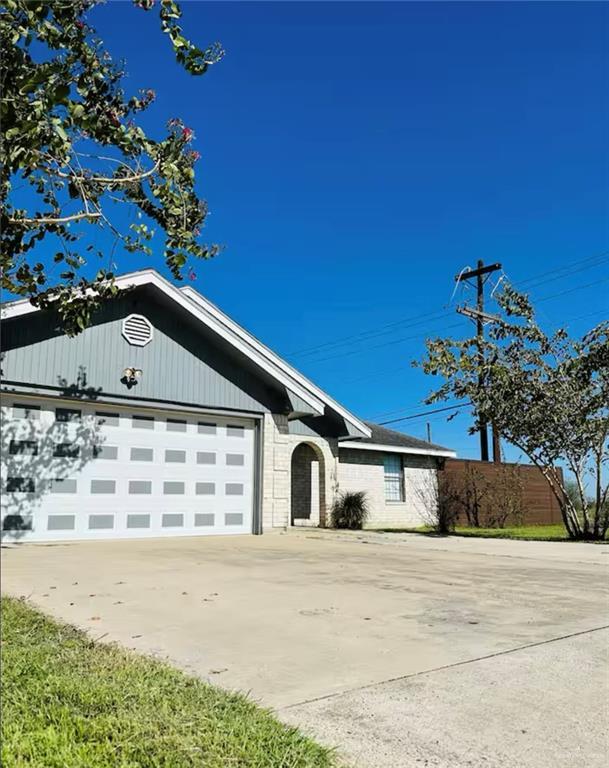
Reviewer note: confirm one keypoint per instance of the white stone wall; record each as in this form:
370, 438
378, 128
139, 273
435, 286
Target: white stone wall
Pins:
355, 470
278, 445
361, 470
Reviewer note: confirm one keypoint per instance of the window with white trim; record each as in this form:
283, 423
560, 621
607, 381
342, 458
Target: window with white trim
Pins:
394, 477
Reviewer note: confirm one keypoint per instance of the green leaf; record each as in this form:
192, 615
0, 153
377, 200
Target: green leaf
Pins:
60, 132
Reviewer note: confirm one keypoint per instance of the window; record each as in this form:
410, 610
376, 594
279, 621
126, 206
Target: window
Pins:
103, 486
61, 522
172, 521
141, 454
23, 447
20, 485
170, 486
63, 485
176, 425
204, 519
138, 521
394, 485
109, 452
67, 414
175, 456
142, 422
99, 522
26, 411
66, 450
107, 419
140, 486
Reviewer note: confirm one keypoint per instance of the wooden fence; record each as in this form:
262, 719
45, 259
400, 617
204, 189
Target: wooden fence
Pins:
538, 504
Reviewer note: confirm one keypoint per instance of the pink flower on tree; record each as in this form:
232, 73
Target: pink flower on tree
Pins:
192, 275
187, 133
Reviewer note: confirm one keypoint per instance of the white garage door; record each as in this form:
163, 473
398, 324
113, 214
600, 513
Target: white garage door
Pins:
76, 471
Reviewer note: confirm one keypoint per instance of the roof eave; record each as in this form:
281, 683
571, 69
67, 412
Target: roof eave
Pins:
365, 446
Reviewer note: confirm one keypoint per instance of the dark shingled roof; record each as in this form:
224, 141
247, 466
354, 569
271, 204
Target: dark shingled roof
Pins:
383, 436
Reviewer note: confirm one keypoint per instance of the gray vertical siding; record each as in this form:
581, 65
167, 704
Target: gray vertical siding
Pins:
321, 426
181, 364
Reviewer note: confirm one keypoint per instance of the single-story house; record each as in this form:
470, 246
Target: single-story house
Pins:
167, 418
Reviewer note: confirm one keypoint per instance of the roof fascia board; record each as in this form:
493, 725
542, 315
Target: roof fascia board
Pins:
395, 449
196, 297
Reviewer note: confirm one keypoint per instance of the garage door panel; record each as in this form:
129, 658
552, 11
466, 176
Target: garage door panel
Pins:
95, 472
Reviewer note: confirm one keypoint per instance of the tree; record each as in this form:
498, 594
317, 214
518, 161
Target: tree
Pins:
72, 150
548, 395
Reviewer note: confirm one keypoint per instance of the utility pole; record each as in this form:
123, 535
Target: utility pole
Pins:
428, 432
479, 274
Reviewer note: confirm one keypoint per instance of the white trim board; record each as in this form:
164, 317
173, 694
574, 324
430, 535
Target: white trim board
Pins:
202, 301
396, 449
234, 334
116, 401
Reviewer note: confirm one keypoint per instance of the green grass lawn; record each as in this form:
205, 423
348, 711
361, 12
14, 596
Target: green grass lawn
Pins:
526, 532
69, 702
523, 532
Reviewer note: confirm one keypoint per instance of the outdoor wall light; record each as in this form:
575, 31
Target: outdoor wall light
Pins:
131, 376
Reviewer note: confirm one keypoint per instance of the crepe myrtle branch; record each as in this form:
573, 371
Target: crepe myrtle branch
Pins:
110, 180
59, 92
55, 220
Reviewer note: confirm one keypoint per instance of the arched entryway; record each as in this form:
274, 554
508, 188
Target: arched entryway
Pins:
307, 485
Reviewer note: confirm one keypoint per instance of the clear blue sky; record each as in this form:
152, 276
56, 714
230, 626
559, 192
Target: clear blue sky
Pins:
357, 155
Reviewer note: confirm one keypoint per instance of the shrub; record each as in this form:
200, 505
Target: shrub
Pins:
350, 510
439, 500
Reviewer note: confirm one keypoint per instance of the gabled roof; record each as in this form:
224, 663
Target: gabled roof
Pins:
212, 317
382, 439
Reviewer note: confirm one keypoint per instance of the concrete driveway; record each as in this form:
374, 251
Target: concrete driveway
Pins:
402, 650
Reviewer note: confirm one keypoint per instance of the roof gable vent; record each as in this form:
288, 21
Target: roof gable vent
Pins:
137, 330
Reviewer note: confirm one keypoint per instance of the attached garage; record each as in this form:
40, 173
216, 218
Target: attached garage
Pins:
73, 470
164, 417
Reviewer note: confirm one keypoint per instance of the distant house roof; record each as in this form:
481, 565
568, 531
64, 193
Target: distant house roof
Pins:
383, 439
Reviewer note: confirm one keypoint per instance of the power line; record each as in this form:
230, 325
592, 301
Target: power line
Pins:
365, 335
584, 264
572, 290
384, 344
395, 412
425, 413
568, 268
448, 327
403, 368
588, 314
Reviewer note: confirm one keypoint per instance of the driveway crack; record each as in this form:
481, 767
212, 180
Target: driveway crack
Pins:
443, 667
